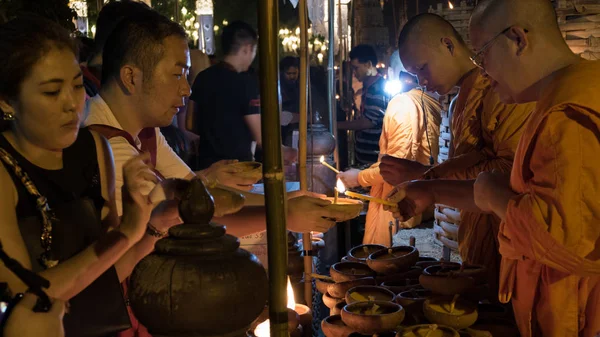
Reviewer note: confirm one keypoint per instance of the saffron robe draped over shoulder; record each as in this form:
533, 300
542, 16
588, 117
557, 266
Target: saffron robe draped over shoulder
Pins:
549, 240
485, 134
403, 136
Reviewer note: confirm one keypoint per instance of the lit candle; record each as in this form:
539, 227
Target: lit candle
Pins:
335, 195
369, 198
339, 186
328, 166
342, 189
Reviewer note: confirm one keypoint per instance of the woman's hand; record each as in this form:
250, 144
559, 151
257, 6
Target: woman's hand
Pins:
24, 322
137, 207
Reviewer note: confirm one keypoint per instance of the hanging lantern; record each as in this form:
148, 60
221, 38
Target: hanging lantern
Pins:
206, 33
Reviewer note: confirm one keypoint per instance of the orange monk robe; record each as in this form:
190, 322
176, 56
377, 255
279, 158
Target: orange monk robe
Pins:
403, 136
550, 239
485, 134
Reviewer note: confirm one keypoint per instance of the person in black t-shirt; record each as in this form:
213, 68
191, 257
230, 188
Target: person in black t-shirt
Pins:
226, 101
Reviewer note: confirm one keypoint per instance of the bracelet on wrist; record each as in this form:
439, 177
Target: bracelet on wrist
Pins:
153, 231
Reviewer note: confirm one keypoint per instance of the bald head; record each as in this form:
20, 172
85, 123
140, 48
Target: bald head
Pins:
536, 15
519, 43
431, 49
427, 28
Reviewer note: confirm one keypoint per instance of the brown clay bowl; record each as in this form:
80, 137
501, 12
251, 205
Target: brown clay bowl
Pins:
393, 260
425, 264
347, 259
337, 309
330, 302
412, 300
368, 292
390, 317
226, 201
247, 169
424, 330
362, 252
333, 326
323, 285
438, 280
399, 286
339, 290
412, 274
478, 273
349, 208
437, 310
348, 271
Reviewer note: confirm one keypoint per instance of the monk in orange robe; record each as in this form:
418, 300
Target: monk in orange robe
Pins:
485, 132
550, 205
403, 136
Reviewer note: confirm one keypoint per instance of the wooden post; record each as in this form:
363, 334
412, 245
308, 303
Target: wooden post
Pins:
304, 73
275, 197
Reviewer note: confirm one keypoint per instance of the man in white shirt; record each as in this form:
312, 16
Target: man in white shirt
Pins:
145, 64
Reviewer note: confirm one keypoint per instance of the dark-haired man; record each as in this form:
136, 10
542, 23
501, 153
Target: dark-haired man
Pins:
372, 108
145, 63
485, 132
108, 18
226, 101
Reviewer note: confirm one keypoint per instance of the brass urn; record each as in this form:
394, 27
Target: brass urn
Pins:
198, 282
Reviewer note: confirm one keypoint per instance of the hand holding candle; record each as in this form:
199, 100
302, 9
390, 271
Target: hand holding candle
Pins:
342, 189
322, 160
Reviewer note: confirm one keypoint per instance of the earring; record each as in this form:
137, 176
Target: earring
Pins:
7, 116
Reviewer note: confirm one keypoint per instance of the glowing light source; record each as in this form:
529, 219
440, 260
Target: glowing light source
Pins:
450, 5
339, 185
393, 87
264, 328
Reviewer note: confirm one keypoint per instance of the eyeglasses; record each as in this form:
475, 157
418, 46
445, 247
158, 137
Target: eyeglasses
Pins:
477, 59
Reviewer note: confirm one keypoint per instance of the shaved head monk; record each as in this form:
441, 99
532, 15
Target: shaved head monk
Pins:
550, 206
485, 132
550, 236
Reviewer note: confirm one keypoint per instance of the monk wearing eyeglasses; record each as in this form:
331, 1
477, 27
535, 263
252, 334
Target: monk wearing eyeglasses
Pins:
485, 131
550, 206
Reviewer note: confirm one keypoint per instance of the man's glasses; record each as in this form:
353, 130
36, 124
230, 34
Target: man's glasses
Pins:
477, 59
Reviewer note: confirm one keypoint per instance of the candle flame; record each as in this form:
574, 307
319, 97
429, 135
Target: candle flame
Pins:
322, 159
339, 185
291, 301
450, 5
264, 328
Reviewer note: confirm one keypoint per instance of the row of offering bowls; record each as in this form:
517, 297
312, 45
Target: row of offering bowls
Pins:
375, 288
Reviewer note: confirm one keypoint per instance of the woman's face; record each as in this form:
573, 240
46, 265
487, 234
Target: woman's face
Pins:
51, 100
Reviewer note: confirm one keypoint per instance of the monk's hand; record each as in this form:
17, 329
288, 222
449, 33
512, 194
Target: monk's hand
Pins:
223, 173
411, 199
396, 171
307, 213
349, 178
490, 188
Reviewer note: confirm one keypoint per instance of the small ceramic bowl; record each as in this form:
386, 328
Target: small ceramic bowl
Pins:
437, 310
393, 260
425, 330
322, 285
362, 252
442, 281
348, 271
330, 302
333, 326
339, 290
369, 293
399, 286
387, 317
346, 209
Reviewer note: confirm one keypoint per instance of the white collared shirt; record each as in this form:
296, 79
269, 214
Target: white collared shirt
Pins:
168, 162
